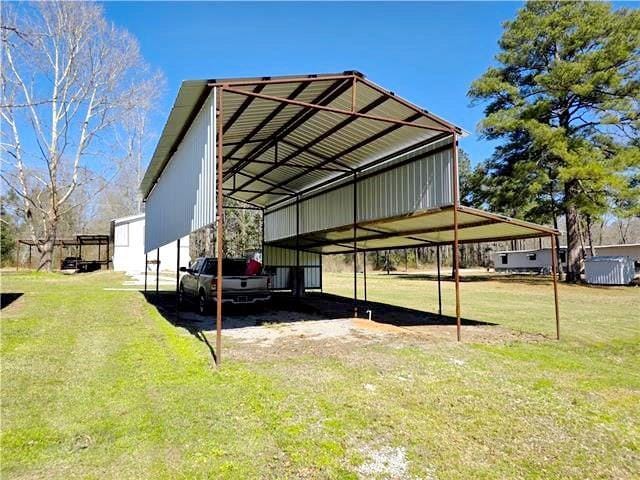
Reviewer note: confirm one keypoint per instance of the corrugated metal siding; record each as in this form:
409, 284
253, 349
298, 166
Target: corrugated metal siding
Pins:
285, 257
609, 270
325, 211
419, 185
183, 199
280, 224
282, 259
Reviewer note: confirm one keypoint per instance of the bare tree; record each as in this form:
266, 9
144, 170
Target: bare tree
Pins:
69, 78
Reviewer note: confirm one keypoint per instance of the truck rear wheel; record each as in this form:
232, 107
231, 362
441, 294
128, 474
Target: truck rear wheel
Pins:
202, 303
181, 297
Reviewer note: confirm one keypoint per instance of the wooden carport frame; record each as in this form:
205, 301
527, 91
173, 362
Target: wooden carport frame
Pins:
443, 127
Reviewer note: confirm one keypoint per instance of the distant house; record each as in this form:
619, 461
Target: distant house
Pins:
128, 247
540, 259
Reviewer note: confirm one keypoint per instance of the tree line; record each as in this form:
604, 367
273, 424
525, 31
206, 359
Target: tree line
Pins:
562, 99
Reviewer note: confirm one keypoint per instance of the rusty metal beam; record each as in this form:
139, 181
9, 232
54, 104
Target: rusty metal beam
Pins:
339, 111
219, 227
456, 251
240, 110
274, 81
292, 165
346, 151
325, 97
274, 113
319, 155
447, 126
554, 273
323, 136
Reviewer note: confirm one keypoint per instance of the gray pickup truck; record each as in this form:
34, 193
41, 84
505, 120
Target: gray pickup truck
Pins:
198, 282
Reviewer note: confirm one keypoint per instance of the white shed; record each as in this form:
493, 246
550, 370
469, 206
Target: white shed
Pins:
609, 270
540, 259
128, 247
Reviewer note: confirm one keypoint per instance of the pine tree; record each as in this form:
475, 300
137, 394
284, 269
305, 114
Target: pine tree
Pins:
566, 93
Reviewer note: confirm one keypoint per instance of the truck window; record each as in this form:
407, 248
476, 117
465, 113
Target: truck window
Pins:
196, 265
230, 267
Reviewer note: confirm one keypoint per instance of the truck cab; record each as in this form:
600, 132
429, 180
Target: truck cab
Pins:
241, 285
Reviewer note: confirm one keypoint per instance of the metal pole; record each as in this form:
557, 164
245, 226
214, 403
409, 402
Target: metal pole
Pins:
406, 261
146, 263
30, 264
17, 256
296, 277
177, 275
364, 271
554, 272
355, 246
157, 269
262, 252
219, 229
439, 285
108, 241
456, 253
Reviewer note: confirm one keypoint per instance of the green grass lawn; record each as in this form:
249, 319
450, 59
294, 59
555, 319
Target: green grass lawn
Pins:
97, 384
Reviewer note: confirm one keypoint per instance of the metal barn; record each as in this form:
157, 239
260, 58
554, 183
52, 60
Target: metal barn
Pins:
335, 163
127, 234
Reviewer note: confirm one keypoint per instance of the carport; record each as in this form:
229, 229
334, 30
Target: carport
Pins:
336, 164
76, 243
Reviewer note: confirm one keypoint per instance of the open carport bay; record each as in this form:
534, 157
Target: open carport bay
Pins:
324, 321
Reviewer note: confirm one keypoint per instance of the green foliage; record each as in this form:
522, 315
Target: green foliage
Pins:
564, 97
242, 230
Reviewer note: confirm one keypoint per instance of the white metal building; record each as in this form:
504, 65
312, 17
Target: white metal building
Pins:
128, 247
609, 270
336, 164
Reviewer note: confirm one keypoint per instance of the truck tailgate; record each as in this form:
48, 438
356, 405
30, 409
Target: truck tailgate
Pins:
257, 282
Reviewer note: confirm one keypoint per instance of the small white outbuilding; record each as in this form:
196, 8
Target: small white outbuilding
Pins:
609, 270
128, 247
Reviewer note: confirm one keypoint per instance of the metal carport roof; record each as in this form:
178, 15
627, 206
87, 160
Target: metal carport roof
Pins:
283, 138
426, 228
283, 135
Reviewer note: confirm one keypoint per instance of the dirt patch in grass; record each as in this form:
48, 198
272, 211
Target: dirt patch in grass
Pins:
321, 337
338, 336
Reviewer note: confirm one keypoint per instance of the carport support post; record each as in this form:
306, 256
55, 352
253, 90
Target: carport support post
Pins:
219, 226
146, 263
439, 284
456, 252
554, 273
177, 276
355, 246
18, 256
296, 277
157, 269
30, 265
364, 272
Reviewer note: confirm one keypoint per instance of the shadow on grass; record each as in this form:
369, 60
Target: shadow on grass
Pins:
7, 299
525, 279
284, 308
532, 279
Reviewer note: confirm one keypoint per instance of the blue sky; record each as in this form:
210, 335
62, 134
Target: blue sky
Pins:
429, 53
